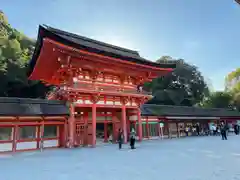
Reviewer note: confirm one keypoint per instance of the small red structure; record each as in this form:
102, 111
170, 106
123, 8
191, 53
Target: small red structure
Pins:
177, 118
31, 124
101, 82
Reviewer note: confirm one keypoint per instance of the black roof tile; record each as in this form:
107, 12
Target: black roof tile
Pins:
84, 43
163, 110
32, 107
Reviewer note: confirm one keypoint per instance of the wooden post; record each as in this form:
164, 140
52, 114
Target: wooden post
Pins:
94, 124
14, 138
38, 136
124, 123
139, 124
72, 126
42, 135
147, 126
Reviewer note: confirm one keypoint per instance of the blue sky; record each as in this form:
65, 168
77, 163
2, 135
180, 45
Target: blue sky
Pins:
203, 32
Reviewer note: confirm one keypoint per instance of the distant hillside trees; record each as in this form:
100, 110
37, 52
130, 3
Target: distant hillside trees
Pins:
16, 50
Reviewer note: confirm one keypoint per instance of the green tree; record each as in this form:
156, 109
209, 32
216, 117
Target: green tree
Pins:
184, 86
16, 50
219, 99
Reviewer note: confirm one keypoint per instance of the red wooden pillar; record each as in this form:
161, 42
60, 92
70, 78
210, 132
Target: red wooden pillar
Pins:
72, 126
147, 126
85, 132
94, 123
115, 128
124, 123
139, 125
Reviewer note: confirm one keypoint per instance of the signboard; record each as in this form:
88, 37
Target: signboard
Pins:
161, 129
161, 124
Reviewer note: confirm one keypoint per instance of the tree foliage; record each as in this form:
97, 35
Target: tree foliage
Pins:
184, 86
16, 50
219, 99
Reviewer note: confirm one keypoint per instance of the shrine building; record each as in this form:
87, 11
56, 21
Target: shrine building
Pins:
101, 82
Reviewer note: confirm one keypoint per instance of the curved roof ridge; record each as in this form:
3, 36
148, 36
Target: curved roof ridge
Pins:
69, 34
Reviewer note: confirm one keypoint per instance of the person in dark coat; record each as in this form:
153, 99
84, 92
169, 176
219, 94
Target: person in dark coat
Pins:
224, 129
198, 129
120, 138
236, 129
132, 138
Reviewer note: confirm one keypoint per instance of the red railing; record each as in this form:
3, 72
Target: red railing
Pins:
91, 87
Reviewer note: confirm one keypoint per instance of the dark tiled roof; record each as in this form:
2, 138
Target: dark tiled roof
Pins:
31, 107
163, 110
90, 45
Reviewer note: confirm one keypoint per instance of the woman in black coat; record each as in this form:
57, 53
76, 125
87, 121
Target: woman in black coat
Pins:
120, 138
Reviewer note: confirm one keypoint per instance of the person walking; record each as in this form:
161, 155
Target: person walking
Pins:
214, 129
236, 129
120, 138
224, 131
186, 130
198, 129
132, 138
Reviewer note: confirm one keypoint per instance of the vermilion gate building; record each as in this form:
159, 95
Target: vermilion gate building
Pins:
101, 82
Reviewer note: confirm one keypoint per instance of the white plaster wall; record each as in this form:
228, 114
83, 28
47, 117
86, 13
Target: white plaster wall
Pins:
118, 103
109, 102
108, 80
134, 104
26, 145
79, 101
50, 143
100, 102
5, 147
100, 118
108, 118
134, 117
88, 102
128, 104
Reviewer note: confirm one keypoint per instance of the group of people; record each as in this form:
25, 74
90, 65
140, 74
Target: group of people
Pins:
214, 130
195, 129
121, 138
221, 128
